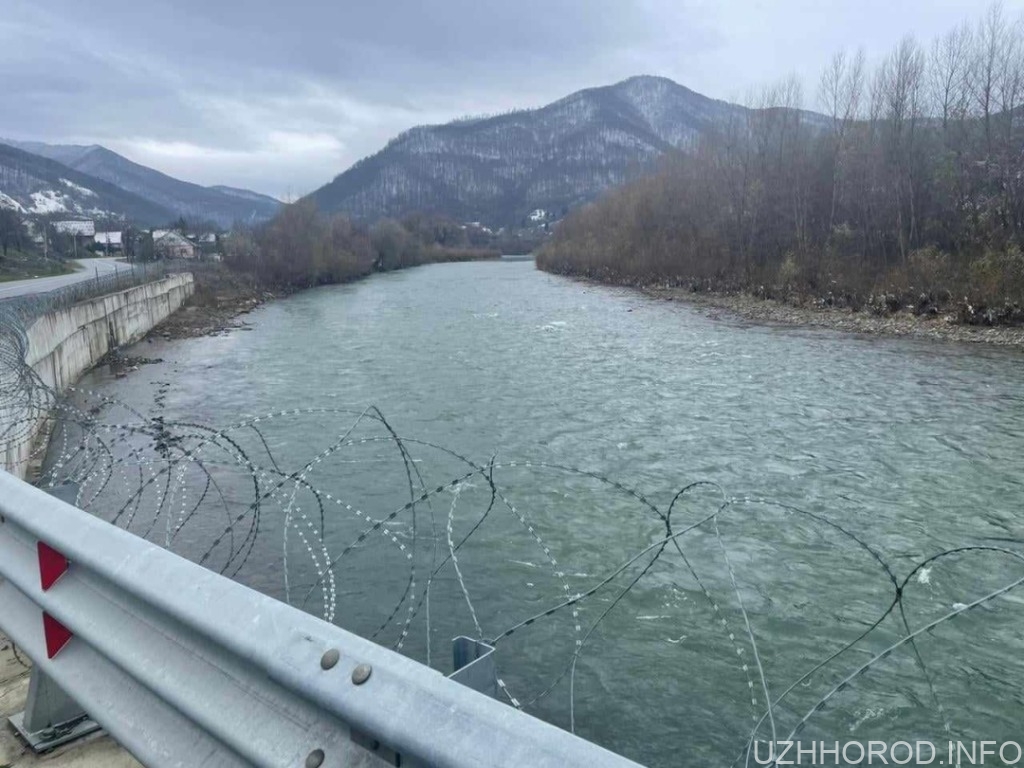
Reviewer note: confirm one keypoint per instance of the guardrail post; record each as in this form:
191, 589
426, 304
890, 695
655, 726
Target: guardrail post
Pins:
51, 717
474, 665
210, 672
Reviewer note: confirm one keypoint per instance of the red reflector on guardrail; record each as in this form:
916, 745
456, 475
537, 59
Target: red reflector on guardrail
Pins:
56, 634
52, 565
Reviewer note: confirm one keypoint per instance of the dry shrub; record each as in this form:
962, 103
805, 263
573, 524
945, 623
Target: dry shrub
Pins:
998, 276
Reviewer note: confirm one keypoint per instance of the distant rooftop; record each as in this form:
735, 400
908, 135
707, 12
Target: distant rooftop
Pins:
78, 228
108, 238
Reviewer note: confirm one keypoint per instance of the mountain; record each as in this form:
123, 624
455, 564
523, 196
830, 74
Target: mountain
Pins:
223, 205
244, 194
38, 184
499, 169
62, 153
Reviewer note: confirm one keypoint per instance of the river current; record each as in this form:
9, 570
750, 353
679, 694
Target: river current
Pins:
838, 465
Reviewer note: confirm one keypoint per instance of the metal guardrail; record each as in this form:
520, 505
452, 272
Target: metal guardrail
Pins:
187, 668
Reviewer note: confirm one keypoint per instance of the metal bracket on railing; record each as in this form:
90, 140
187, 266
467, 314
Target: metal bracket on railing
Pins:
51, 717
474, 668
474, 665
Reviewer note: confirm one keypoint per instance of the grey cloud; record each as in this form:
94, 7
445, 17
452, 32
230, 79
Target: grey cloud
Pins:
283, 96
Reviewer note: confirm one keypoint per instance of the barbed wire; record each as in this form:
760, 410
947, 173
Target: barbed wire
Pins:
324, 528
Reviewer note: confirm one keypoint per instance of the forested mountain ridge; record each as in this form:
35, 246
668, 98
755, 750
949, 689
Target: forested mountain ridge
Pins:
35, 184
221, 205
499, 169
910, 197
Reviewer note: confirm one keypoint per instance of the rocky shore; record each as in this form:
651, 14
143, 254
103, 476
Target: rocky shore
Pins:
903, 323
221, 298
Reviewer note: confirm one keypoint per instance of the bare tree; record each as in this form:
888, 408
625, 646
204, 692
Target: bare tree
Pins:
1010, 87
989, 45
1010, 78
914, 187
900, 81
840, 92
949, 69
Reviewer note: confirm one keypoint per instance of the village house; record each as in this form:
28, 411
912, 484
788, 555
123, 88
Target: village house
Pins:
168, 244
109, 242
82, 231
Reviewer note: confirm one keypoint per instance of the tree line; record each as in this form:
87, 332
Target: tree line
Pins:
12, 231
302, 247
15, 235
907, 189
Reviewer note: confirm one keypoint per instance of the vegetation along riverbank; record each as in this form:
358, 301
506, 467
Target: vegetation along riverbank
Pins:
901, 208
302, 248
907, 323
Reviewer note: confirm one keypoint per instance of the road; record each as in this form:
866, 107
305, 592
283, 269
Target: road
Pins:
101, 266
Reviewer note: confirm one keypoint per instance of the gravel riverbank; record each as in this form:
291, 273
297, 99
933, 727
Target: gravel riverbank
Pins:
907, 324
221, 299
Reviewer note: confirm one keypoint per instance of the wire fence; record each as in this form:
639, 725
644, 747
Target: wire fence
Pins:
30, 306
24, 398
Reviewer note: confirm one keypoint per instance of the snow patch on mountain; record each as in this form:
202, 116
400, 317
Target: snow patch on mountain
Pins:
7, 201
77, 188
51, 201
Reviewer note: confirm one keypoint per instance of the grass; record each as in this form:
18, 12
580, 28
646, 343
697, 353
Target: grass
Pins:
21, 265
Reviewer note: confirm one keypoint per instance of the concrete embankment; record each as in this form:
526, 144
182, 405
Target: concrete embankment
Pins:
63, 344
39, 362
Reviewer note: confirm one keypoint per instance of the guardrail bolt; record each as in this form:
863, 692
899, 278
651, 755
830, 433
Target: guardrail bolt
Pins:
361, 674
330, 658
315, 759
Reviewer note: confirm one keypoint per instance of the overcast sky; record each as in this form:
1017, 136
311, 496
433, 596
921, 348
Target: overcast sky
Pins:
282, 96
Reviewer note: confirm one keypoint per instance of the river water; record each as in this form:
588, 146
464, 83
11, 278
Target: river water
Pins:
848, 461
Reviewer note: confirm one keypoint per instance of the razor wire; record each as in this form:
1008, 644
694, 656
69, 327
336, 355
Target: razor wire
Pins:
236, 497
24, 398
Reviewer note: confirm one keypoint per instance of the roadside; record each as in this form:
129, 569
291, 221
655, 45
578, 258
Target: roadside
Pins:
98, 267
903, 323
19, 265
96, 751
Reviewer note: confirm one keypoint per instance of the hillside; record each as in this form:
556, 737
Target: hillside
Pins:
38, 184
223, 205
499, 169
893, 213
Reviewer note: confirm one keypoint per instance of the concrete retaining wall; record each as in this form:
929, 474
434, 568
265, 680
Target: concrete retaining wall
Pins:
64, 344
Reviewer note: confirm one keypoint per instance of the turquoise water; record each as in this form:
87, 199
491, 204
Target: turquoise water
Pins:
910, 447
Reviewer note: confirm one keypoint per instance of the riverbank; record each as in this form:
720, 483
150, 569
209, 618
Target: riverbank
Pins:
905, 324
221, 297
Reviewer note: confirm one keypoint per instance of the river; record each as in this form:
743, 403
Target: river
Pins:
848, 461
